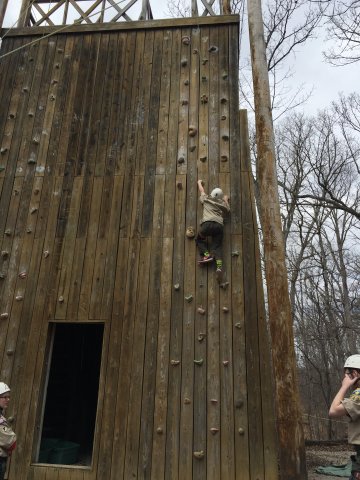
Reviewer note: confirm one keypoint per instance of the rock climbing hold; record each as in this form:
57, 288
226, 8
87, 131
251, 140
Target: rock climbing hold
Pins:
184, 62
187, 401
203, 159
199, 455
195, 51
201, 310
4, 316
18, 298
28, 230
52, 97
204, 99
61, 299
2, 168
36, 140
189, 298
181, 160
46, 253
204, 78
224, 285
199, 362
36, 191
3, 150
186, 82
159, 430
185, 40
214, 430
9, 352
224, 158
225, 137
12, 115
190, 232
241, 431
22, 274
184, 102
213, 48
192, 148
225, 309
201, 336
179, 185
33, 210
177, 286
192, 131
235, 253
2, 275
31, 114
223, 117
4, 254
225, 363
205, 60
31, 161
175, 362
224, 75
8, 232
238, 325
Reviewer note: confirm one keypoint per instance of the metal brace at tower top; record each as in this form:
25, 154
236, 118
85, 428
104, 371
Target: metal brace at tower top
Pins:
64, 12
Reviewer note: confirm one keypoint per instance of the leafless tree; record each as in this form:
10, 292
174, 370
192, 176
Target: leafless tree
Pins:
343, 26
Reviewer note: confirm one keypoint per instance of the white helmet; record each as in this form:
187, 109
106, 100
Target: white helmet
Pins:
4, 388
353, 361
217, 193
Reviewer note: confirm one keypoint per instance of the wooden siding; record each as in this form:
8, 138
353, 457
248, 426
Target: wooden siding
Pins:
98, 180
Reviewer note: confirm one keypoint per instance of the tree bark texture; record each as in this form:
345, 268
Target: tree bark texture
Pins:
291, 440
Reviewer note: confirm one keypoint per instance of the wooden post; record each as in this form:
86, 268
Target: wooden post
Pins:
3, 5
291, 441
24, 13
226, 8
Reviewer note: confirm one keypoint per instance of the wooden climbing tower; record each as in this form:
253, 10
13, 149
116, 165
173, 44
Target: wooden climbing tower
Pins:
105, 317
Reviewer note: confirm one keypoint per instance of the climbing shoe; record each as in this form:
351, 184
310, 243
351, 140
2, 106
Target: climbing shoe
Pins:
206, 259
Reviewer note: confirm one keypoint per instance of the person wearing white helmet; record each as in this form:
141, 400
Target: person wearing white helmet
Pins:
215, 207
7, 436
350, 407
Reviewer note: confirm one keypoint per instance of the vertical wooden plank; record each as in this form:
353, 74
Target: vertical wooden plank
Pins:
147, 91
184, 89
162, 364
225, 99
104, 99
214, 101
175, 368
112, 252
164, 103
150, 168
101, 248
124, 90
124, 372
131, 140
109, 420
132, 469
88, 268
205, 101
63, 291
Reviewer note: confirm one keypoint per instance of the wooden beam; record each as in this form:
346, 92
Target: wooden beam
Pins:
291, 442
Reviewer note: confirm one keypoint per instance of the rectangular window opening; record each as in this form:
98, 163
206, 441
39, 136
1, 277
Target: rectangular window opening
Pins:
68, 417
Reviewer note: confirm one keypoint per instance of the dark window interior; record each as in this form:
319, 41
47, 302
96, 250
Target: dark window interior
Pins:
72, 393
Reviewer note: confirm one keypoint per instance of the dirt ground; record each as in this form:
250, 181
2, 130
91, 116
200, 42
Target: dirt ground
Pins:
323, 455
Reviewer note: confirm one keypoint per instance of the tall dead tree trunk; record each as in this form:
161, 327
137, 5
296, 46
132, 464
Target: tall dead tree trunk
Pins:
291, 440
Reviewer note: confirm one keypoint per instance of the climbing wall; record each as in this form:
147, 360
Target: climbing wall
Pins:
104, 132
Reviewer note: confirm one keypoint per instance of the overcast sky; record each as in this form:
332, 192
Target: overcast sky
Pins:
309, 66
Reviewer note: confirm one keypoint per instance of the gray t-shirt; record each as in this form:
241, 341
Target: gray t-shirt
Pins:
214, 209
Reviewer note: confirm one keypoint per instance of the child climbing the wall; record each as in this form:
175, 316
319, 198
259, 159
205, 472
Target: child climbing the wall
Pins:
215, 207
